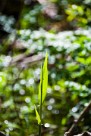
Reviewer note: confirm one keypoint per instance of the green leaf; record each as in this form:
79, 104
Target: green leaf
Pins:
45, 78
37, 116
43, 81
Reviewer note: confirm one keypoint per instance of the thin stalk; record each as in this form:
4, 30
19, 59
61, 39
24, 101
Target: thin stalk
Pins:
40, 117
40, 112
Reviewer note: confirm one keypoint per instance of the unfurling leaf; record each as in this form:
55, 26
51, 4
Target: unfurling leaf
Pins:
43, 81
37, 116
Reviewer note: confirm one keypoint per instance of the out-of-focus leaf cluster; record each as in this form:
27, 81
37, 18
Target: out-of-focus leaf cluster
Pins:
33, 14
69, 88
74, 13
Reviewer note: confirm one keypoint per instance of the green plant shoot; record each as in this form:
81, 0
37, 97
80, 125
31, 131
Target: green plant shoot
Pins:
42, 91
43, 81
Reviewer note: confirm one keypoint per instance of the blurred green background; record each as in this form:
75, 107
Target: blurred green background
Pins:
29, 28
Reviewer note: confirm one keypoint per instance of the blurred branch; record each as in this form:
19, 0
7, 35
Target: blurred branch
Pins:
23, 60
71, 130
84, 134
2, 134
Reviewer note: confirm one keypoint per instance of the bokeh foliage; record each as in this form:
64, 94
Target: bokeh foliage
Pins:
69, 65
69, 81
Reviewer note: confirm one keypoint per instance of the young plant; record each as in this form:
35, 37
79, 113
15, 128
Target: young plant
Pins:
42, 91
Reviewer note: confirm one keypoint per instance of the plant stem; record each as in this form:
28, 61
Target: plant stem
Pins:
40, 115
40, 118
40, 130
41, 104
